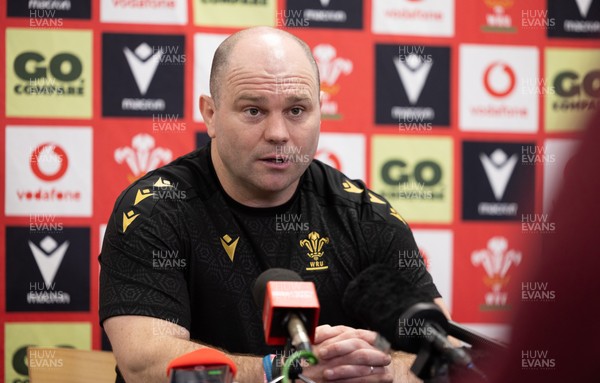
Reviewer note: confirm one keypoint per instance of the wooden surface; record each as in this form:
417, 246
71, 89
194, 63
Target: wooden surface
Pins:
64, 365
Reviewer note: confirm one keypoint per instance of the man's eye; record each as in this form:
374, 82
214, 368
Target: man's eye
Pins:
296, 111
253, 111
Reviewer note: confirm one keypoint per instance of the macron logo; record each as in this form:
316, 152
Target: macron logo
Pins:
49, 257
413, 73
498, 168
584, 7
143, 64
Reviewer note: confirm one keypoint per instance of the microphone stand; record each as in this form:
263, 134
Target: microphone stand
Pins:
434, 366
295, 371
431, 366
435, 354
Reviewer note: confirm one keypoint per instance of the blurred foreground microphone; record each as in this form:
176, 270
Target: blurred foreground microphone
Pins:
383, 300
205, 365
290, 308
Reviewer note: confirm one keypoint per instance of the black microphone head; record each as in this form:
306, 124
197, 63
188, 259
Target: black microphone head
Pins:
274, 274
380, 290
378, 297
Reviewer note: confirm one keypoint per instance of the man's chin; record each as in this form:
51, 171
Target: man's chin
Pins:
276, 185
274, 188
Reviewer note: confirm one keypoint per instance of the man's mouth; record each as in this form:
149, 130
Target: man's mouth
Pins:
277, 159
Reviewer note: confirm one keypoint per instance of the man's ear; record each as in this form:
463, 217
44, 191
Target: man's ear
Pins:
207, 109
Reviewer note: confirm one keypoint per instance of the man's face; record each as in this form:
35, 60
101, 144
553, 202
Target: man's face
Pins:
266, 123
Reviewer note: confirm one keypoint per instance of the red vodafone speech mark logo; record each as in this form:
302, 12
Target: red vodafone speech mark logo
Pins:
329, 158
50, 153
496, 70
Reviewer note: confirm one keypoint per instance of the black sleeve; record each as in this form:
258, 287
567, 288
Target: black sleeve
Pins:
144, 258
391, 242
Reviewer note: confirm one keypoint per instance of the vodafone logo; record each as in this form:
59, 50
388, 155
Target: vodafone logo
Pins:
144, 11
49, 171
499, 79
49, 162
329, 157
413, 17
499, 100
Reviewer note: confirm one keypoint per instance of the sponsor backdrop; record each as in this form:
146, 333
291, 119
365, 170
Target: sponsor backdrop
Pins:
465, 115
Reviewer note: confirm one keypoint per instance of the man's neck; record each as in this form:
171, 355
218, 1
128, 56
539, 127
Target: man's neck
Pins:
247, 196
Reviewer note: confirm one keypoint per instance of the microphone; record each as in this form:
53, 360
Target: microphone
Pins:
473, 338
205, 365
384, 300
290, 308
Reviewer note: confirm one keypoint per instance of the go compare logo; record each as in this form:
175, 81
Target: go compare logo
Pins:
415, 175
64, 67
418, 182
575, 77
49, 73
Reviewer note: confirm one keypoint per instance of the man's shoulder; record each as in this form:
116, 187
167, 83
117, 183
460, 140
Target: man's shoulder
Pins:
166, 189
334, 188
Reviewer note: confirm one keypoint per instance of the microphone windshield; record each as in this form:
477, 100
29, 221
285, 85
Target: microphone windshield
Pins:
378, 297
274, 274
289, 306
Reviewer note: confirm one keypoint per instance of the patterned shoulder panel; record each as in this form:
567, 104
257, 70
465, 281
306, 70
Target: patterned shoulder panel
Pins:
156, 192
327, 180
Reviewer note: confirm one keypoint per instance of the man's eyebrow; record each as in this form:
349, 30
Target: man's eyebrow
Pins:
298, 98
250, 97
293, 98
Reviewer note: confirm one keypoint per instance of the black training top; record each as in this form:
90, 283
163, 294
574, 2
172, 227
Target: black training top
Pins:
178, 248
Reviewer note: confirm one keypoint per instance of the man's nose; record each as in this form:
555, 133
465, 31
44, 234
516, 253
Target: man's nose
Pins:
276, 129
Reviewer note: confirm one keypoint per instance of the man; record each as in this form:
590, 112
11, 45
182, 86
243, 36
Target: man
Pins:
186, 242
